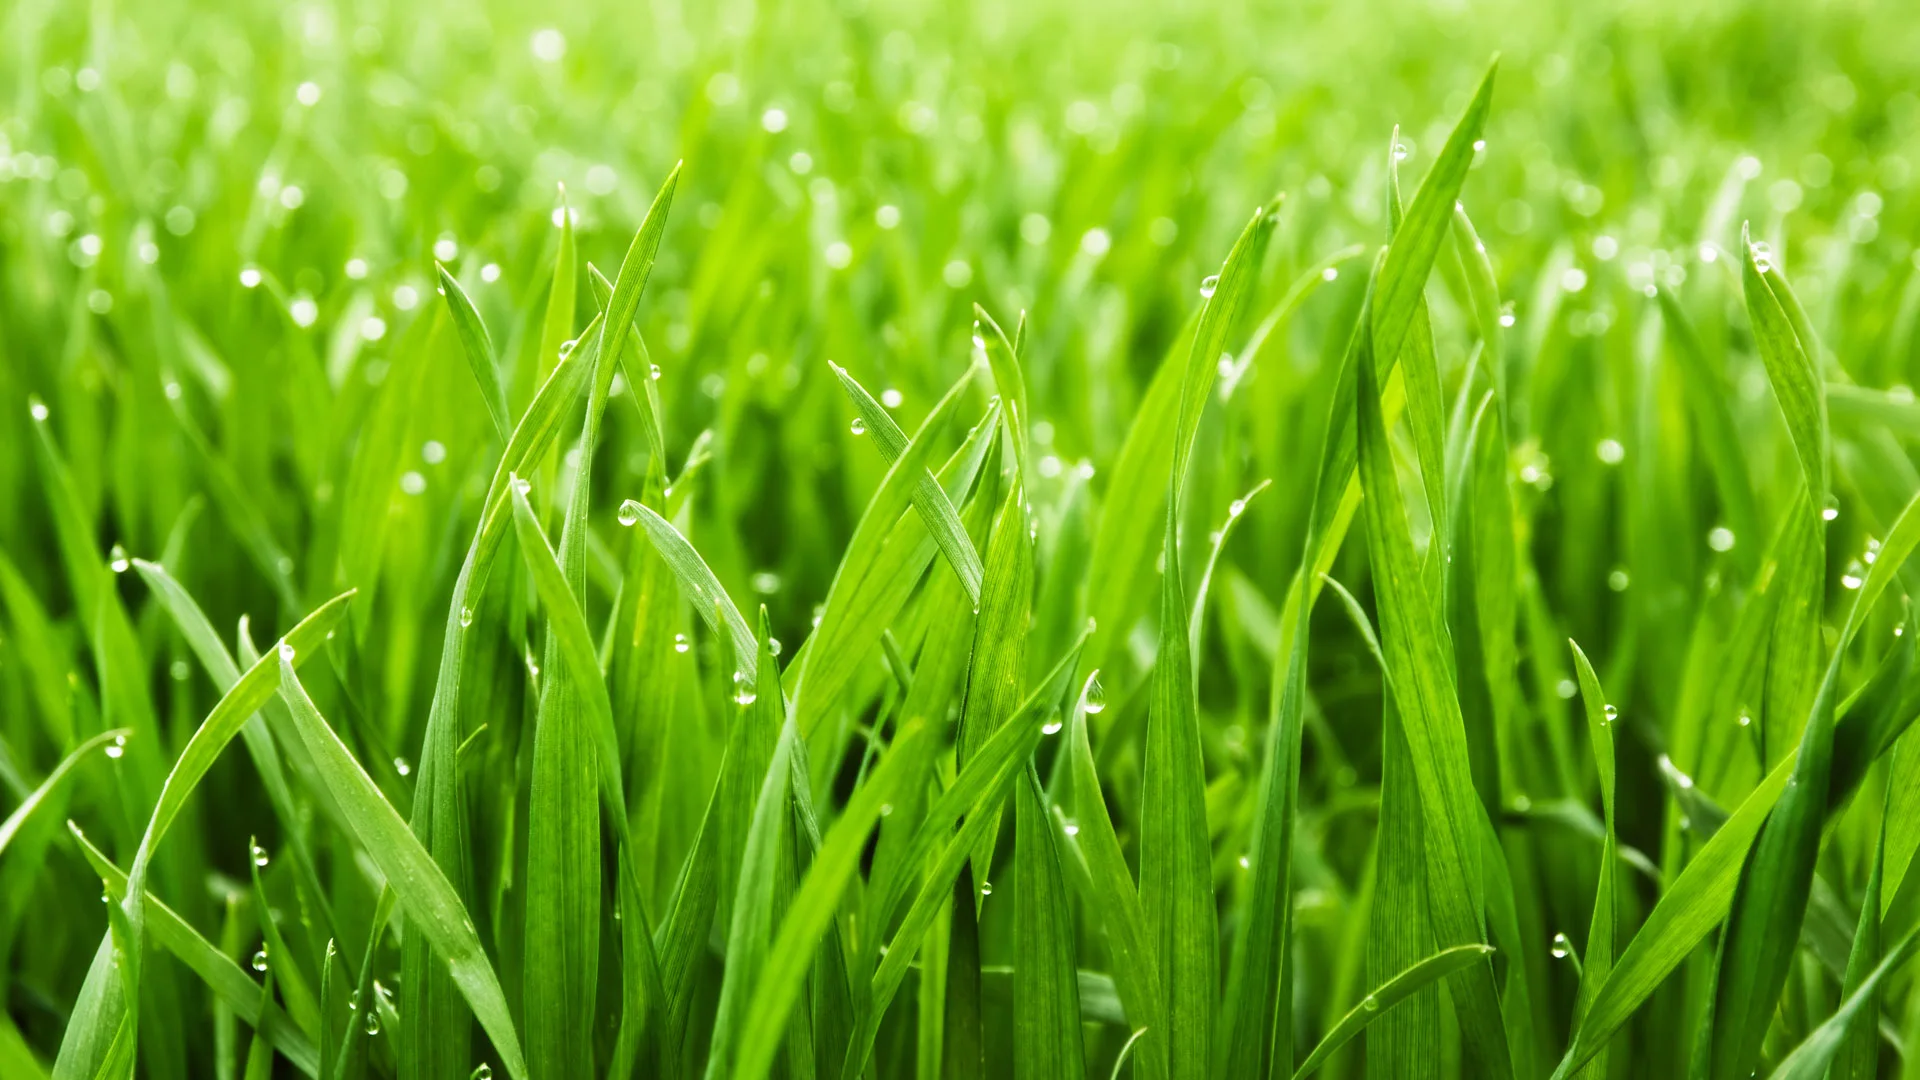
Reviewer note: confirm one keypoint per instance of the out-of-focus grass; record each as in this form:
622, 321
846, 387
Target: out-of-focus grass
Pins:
224, 348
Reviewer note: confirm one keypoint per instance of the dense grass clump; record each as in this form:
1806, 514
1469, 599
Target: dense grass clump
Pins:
892, 539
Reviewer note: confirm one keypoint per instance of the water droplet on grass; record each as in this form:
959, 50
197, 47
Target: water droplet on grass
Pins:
1096, 695
117, 560
629, 513
680, 643
260, 960
1208, 284
260, 856
858, 427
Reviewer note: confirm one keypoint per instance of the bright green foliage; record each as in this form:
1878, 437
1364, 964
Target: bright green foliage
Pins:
753, 541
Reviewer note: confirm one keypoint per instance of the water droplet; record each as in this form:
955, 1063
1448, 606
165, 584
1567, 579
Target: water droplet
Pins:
286, 651
567, 347
1831, 510
1245, 862
1095, 694
118, 747
260, 856
1208, 284
260, 960
773, 645
858, 427
986, 888
373, 1022
1721, 538
1746, 717
1072, 828
886, 809
1854, 575
629, 513
353, 1001
522, 485
743, 693
1052, 726
1562, 947
1610, 452
482, 1071
38, 409
1609, 715
117, 560
680, 643
402, 766
1618, 580
1370, 1003
653, 372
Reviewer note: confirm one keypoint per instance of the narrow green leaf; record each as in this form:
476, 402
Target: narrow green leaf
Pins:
478, 345
433, 907
1385, 997
1047, 1044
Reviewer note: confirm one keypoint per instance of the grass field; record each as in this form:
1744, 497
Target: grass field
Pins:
893, 539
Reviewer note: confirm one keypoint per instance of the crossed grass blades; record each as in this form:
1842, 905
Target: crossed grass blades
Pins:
1064, 768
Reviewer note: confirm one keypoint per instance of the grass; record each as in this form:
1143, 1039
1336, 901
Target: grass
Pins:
704, 541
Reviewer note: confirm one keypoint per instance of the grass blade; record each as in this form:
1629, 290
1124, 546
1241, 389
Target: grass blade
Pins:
1385, 997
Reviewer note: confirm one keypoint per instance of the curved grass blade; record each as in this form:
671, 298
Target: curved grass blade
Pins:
1809, 1060
204, 959
1386, 996
38, 797
478, 345
708, 597
1003, 359
851, 617
433, 907
818, 897
929, 498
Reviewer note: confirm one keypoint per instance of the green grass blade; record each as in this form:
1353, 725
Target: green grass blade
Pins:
204, 959
478, 345
1385, 997
1047, 1042
929, 498
433, 908
997, 668
1598, 956
38, 797
1810, 1060
1419, 656
816, 900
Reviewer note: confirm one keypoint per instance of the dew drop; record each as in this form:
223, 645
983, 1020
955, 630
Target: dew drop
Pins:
1052, 726
1095, 694
118, 747
117, 560
986, 888
653, 372
1746, 717
1370, 1003
680, 643
567, 347
260, 856
482, 1071
1854, 575
1072, 829
1236, 508
1610, 714
1721, 538
260, 960
1562, 947
629, 513
858, 427
773, 645
1208, 284
1245, 862
373, 1022
402, 766
743, 689
886, 809
38, 409
353, 1001
1618, 580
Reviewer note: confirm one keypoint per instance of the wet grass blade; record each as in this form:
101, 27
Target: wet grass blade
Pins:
1386, 997
1047, 1043
214, 967
433, 908
24, 812
1598, 957
1419, 658
478, 345
929, 498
